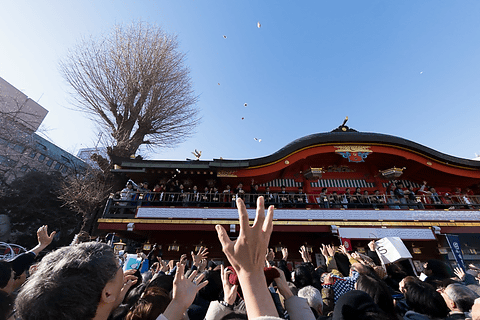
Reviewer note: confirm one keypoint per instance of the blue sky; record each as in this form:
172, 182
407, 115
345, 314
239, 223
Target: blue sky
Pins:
405, 68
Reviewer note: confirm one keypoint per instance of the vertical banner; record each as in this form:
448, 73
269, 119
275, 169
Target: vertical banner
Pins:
454, 244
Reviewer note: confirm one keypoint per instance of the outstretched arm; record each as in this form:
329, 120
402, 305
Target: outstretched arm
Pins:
247, 256
43, 239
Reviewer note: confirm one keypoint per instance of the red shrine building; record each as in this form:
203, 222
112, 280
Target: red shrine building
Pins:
346, 179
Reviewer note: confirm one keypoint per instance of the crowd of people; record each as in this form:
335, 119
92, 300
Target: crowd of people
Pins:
87, 281
397, 196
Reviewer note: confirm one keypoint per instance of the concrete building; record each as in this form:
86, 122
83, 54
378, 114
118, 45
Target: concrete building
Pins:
21, 148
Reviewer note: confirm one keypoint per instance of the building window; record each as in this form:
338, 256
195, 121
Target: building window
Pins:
24, 168
49, 162
7, 161
41, 146
19, 148
32, 154
41, 157
57, 166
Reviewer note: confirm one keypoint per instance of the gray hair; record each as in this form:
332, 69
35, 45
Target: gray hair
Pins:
462, 296
313, 297
68, 283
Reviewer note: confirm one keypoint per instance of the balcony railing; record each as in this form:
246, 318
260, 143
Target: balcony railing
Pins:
119, 207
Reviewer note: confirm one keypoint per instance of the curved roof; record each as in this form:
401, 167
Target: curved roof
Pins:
353, 137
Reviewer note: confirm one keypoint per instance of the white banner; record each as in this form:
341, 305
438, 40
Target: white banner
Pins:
303, 214
377, 233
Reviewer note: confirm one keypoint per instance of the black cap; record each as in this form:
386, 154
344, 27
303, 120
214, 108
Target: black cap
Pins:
22, 262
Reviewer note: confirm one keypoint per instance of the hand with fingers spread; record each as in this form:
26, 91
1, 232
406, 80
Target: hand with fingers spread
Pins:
183, 259
246, 254
372, 245
327, 250
344, 251
229, 290
306, 257
270, 256
459, 273
201, 254
183, 293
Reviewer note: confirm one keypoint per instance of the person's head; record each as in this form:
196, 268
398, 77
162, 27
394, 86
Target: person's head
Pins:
215, 189
267, 189
181, 187
324, 190
129, 185
240, 185
206, 189
437, 269
283, 188
422, 298
300, 190
228, 187
74, 282
334, 193
365, 192
377, 192
314, 299
432, 190
7, 276
378, 290
152, 303
255, 187
400, 185
195, 188
302, 277
20, 265
459, 297
358, 190
355, 305
347, 191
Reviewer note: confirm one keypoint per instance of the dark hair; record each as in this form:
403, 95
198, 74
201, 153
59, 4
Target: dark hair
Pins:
5, 273
378, 291
68, 283
214, 287
154, 302
422, 298
440, 270
6, 305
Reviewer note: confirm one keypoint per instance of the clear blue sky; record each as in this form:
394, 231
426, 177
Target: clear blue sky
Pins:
405, 68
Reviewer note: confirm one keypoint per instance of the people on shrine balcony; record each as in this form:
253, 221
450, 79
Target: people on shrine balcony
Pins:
215, 196
227, 194
253, 194
205, 197
322, 199
357, 198
335, 200
239, 192
284, 200
300, 198
399, 195
269, 196
365, 199
377, 199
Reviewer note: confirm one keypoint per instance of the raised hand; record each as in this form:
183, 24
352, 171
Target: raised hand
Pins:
459, 273
306, 257
284, 254
201, 254
247, 257
43, 239
183, 293
229, 290
270, 256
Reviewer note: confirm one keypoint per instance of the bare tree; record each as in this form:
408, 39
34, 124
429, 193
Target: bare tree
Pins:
135, 84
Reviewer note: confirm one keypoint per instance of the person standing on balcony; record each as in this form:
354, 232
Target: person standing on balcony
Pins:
323, 199
283, 198
300, 199
253, 194
269, 197
400, 195
227, 195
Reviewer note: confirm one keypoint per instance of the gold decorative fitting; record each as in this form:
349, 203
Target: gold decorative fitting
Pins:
392, 173
429, 163
287, 162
